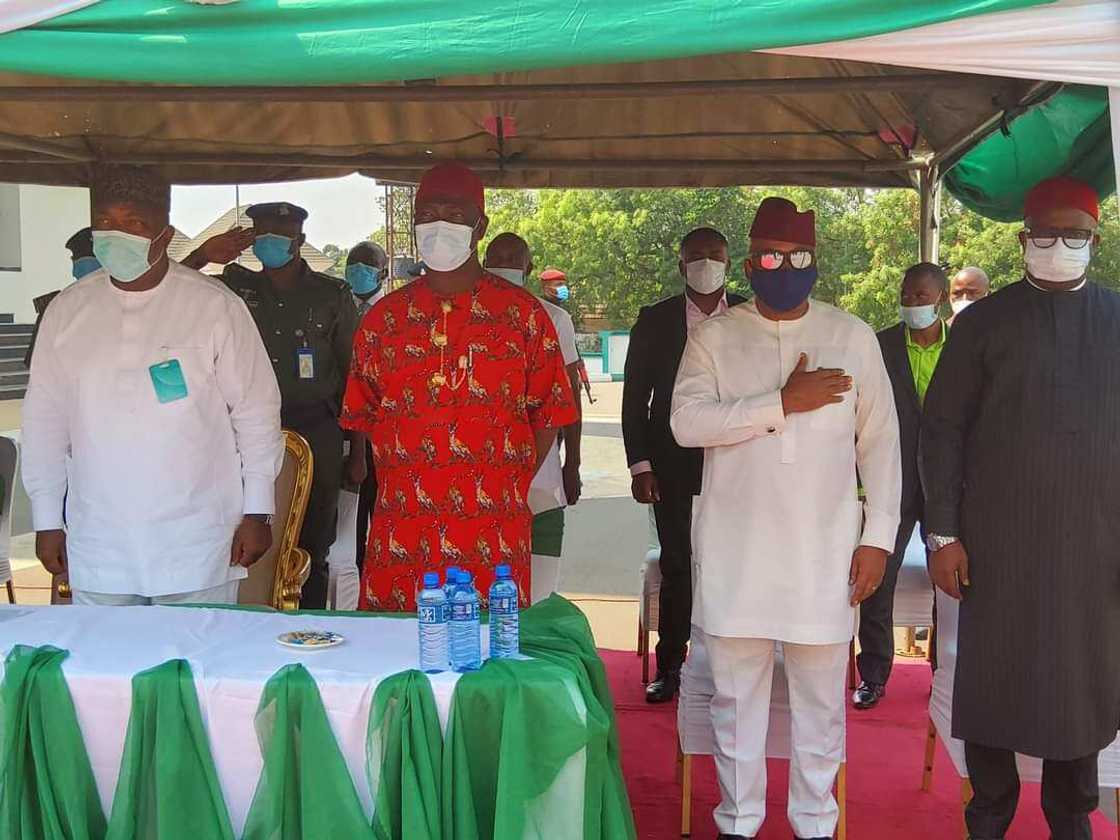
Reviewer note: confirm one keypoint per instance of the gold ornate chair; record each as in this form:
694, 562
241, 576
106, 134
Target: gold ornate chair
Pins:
276, 579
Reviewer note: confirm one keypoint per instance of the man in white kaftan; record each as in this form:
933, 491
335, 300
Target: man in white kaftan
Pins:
789, 397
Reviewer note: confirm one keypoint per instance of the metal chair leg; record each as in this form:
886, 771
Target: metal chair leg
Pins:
842, 801
931, 751
643, 651
966, 797
686, 795
11, 593
852, 666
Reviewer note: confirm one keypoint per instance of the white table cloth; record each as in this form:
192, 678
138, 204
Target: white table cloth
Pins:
232, 654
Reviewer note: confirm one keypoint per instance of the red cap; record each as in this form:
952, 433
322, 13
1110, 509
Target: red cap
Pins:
1062, 191
452, 180
778, 218
551, 275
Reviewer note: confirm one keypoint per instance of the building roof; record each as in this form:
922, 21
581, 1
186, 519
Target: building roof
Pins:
182, 245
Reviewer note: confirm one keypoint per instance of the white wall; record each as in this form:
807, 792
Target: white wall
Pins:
48, 217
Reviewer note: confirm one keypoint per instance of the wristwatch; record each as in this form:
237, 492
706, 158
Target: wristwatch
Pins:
936, 542
265, 518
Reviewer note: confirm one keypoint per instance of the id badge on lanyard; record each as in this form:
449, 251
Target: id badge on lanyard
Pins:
305, 358
168, 381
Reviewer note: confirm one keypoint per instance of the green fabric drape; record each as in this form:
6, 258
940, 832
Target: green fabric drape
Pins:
47, 789
305, 789
404, 759
556, 630
167, 788
308, 42
1069, 134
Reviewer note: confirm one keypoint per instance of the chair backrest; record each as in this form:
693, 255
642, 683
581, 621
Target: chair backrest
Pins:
276, 579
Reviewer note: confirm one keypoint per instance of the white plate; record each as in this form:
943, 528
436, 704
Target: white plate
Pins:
310, 639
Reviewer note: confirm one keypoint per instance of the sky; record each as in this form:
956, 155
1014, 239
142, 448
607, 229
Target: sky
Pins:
341, 211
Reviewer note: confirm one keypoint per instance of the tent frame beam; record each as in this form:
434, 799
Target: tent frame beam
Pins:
433, 92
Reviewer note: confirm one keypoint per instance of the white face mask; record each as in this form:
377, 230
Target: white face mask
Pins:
513, 275
1057, 264
918, 317
959, 306
444, 246
705, 276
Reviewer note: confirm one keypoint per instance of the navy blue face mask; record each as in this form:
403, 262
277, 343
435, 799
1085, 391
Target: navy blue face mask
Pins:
785, 288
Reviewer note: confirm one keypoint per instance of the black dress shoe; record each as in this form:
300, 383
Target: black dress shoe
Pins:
664, 688
868, 695
733, 837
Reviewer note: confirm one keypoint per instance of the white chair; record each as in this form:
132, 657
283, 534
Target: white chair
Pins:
941, 722
696, 736
650, 586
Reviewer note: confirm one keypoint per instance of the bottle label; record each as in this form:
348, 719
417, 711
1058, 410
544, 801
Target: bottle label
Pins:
462, 612
501, 605
430, 614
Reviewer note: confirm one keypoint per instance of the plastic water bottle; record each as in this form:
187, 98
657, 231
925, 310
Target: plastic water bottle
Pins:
466, 648
451, 580
431, 610
504, 623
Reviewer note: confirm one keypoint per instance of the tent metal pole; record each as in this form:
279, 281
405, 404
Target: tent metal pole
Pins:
430, 91
929, 202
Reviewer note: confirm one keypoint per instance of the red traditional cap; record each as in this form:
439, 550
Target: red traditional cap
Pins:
778, 218
452, 180
1063, 191
552, 275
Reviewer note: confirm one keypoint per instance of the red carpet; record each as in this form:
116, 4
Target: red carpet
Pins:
885, 749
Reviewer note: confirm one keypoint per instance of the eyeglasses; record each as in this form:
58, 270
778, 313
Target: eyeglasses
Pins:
1074, 239
773, 260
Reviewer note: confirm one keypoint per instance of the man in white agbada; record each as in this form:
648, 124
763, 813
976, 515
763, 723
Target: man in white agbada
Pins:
151, 427
789, 397
554, 486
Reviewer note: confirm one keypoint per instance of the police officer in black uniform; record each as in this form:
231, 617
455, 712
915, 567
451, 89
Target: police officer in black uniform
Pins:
307, 321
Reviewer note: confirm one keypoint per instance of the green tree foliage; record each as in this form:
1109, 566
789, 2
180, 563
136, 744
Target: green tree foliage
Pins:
620, 247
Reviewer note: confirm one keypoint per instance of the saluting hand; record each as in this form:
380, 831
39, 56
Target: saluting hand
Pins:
869, 564
808, 390
226, 247
948, 568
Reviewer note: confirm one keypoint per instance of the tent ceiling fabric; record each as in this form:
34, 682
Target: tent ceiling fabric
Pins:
634, 138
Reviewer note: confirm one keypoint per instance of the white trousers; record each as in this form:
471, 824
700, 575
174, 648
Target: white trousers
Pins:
545, 572
344, 582
225, 593
743, 671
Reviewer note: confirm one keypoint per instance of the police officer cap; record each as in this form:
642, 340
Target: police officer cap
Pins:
81, 241
277, 210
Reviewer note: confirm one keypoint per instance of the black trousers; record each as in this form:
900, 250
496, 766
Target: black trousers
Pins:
367, 502
876, 614
674, 530
320, 523
1069, 794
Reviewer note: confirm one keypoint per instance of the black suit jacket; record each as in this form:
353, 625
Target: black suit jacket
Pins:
656, 346
892, 341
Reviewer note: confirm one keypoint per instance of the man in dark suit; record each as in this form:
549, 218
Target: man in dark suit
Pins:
911, 350
665, 474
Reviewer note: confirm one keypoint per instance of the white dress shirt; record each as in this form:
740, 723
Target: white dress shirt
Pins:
693, 315
547, 490
153, 491
778, 516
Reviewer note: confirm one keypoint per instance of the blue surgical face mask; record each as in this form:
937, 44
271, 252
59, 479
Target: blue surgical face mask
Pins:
562, 293
785, 288
918, 317
124, 255
363, 279
273, 250
84, 266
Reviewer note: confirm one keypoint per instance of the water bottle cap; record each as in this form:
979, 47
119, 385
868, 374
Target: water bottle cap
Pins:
431, 580
452, 574
465, 576
503, 572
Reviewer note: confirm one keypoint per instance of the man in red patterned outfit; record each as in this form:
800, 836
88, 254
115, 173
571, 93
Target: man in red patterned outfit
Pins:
459, 382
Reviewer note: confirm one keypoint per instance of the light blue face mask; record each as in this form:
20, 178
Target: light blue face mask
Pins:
273, 250
363, 279
563, 293
84, 266
918, 317
124, 255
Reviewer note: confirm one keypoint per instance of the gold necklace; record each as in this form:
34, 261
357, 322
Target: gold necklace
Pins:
465, 363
